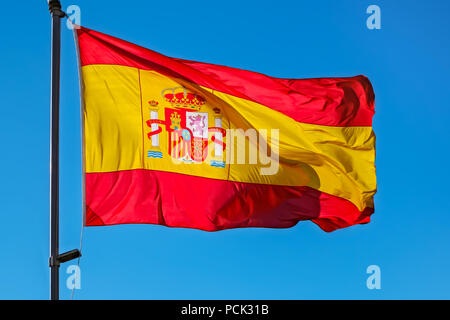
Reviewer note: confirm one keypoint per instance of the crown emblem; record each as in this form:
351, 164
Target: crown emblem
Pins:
180, 98
153, 103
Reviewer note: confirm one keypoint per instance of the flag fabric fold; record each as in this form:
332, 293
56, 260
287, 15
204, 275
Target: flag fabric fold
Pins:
190, 144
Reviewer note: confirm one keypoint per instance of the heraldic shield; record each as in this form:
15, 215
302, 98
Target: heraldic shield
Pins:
186, 123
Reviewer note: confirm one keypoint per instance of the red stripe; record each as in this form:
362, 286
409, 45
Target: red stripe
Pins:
324, 101
177, 200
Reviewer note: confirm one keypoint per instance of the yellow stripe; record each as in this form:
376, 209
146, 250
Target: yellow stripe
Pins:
335, 160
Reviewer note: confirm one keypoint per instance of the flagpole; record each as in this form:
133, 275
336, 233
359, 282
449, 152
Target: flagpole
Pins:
54, 7
56, 259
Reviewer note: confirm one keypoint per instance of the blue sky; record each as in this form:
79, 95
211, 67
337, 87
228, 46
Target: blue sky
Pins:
407, 62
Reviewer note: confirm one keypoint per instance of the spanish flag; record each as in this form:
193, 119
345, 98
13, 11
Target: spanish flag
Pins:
189, 144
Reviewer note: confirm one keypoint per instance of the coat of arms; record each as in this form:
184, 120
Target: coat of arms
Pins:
186, 125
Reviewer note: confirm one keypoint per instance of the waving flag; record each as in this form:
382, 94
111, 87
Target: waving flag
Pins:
189, 144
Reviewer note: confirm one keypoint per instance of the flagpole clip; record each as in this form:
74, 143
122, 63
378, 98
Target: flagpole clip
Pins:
54, 6
64, 257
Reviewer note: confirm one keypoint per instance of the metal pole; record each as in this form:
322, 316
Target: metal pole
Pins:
57, 14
